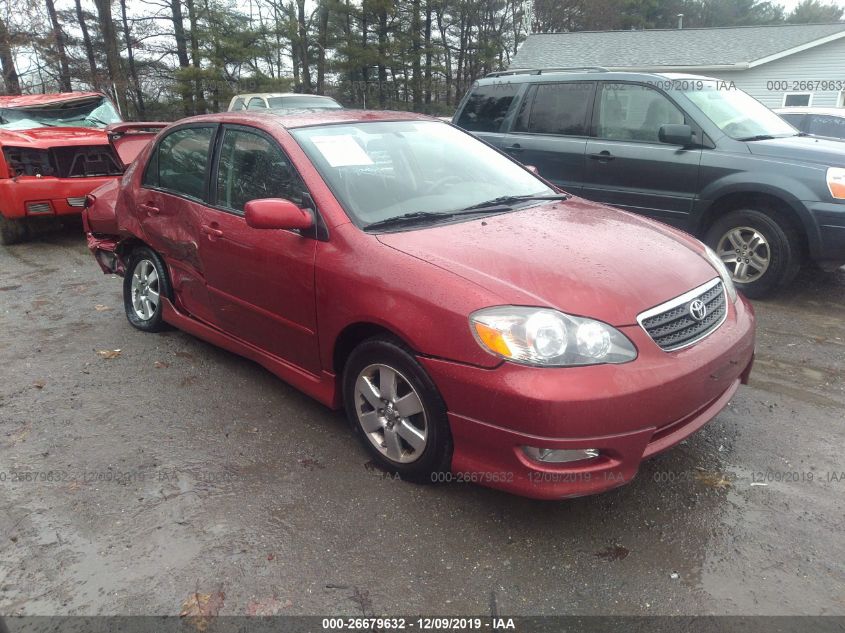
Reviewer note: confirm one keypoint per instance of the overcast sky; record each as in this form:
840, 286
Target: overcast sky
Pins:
791, 4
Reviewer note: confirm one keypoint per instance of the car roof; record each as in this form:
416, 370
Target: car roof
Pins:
811, 110
306, 119
23, 101
529, 75
250, 95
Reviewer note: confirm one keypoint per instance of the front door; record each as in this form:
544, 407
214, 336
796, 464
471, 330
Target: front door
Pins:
261, 281
627, 166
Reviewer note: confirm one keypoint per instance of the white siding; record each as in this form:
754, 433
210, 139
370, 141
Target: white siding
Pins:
822, 63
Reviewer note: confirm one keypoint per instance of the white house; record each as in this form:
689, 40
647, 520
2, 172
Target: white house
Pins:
782, 65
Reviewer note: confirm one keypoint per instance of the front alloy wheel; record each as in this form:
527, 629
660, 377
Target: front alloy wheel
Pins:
745, 252
390, 413
397, 411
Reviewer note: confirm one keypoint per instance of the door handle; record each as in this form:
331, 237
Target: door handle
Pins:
150, 208
604, 156
515, 148
211, 231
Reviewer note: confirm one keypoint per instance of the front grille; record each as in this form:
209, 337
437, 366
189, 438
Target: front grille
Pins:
672, 325
76, 202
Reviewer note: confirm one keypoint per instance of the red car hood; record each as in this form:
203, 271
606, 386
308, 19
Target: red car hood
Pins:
46, 137
579, 257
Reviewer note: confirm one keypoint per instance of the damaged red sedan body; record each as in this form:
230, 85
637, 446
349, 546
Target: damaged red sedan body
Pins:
53, 151
475, 323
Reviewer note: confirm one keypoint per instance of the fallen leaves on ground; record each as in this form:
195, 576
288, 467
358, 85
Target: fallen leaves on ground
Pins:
161, 364
38, 384
101, 308
108, 354
200, 608
713, 479
19, 435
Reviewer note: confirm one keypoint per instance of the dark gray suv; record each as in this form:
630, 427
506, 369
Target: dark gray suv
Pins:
694, 152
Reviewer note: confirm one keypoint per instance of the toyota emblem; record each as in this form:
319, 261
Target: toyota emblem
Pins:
698, 309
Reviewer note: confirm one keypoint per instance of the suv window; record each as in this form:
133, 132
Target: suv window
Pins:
826, 125
634, 112
238, 104
487, 106
179, 162
253, 167
256, 103
559, 109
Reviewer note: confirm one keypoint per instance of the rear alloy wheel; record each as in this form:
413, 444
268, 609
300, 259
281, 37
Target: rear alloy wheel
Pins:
397, 411
12, 231
144, 287
761, 250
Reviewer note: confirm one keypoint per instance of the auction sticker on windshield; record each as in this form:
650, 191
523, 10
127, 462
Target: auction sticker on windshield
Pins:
341, 150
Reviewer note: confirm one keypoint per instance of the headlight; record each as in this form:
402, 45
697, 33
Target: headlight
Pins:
723, 271
836, 182
548, 338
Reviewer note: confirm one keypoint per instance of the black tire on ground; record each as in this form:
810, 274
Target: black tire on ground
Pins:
148, 259
436, 456
13, 231
784, 246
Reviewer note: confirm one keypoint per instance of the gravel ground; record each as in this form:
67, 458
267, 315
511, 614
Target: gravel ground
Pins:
178, 468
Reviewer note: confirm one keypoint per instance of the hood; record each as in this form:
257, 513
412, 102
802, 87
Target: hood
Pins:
47, 137
810, 149
579, 257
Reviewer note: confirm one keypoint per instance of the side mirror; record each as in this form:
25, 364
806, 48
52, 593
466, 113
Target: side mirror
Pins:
276, 213
675, 134
533, 169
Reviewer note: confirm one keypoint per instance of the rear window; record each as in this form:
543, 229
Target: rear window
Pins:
826, 125
487, 106
559, 109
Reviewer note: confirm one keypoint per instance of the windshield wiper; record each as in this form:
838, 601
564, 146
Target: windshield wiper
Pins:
423, 216
758, 137
509, 201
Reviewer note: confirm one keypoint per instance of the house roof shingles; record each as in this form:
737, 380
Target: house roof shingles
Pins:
666, 48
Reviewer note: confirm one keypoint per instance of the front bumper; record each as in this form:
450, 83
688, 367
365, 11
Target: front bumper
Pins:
830, 219
628, 412
29, 196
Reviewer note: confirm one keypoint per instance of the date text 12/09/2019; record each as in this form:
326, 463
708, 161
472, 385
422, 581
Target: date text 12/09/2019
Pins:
420, 623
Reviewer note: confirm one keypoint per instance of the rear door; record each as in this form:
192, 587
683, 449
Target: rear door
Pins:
627, 166
261, 282
170, 206
550, 131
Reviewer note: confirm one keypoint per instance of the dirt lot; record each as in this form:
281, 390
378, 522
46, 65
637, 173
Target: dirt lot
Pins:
177, 467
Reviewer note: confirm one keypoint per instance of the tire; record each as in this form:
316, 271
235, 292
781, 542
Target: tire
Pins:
13, 231
381, 425
145, 283
772, 244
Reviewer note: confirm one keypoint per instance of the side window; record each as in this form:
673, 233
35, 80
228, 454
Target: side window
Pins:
560, 109
238, 104
825, 125
796, 120
487, 106
256, 103
179, 162
630, 112
252, 167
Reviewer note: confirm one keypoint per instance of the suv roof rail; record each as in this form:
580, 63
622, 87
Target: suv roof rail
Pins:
540, 71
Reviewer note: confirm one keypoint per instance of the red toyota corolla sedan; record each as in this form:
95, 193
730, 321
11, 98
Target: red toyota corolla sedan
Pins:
476, 324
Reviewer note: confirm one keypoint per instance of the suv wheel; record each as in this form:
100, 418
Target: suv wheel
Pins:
397, 411
761, 252
144, 286
12, 231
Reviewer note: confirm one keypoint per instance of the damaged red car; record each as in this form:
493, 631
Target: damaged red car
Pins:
476, 323
53, 151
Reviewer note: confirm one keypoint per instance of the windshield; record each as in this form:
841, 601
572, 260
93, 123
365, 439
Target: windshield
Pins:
302, 102
737, 114
382, 170
97, 113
